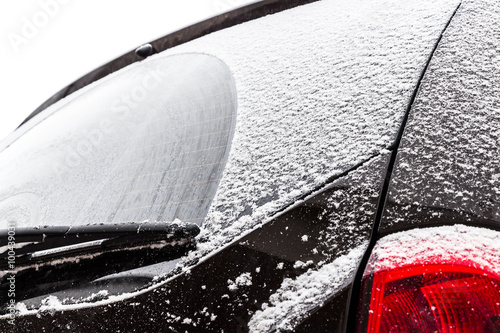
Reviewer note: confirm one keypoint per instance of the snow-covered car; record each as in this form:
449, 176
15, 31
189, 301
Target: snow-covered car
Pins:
306, 166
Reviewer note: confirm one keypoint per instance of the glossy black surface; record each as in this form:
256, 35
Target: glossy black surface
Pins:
145, 50
66, 264
77, 278
336, 221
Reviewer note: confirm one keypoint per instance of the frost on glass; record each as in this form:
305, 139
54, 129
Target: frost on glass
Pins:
146, 143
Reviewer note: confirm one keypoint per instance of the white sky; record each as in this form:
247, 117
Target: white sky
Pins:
47, 44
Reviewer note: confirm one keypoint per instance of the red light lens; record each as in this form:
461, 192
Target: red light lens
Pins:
418, 284
434, 298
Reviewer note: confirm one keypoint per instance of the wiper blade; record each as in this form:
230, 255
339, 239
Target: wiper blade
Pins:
51, 242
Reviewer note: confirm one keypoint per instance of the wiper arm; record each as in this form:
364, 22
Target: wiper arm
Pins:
51, 242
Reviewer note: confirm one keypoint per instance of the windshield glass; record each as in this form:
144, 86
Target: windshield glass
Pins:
145, 144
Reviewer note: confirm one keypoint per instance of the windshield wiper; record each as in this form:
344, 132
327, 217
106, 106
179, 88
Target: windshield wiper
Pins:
52, 242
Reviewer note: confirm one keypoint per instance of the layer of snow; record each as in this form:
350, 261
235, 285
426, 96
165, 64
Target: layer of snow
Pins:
296, 297
448, 163
321, 87
472, 246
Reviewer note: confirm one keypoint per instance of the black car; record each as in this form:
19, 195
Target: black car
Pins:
305, 166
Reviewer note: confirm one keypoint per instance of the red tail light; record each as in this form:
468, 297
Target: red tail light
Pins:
433, 284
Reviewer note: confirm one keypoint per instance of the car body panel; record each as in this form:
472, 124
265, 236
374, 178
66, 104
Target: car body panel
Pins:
447, 169
321, 88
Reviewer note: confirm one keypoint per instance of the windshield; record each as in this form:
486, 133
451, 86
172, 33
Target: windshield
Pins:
149, 144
